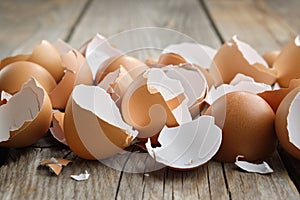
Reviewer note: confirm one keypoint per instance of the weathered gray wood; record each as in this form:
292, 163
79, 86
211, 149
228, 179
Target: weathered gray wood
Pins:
263, 30
25, 23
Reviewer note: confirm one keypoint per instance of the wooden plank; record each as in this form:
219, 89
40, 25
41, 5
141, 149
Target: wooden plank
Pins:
265, 31
25, 23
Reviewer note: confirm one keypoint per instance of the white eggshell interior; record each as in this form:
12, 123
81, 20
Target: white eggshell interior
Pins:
21, 107
293, 124
189, 145
262, 168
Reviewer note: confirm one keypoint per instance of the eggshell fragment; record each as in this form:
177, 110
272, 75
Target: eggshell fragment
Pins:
262, 168
275, 96
93, 125
81, 177
189, 145
57, 129
246, 130
287, 63
48, 57
270, 57
26, 117
238, 57
13, 76
239, 83
55, 164
170, 59
287, 125
98, 51
193, 53
154, 100
72, 61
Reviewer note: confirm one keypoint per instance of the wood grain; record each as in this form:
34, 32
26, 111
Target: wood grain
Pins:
25, 23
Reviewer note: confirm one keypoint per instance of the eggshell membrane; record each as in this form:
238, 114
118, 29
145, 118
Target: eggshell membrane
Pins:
282, 123
9, 60
72, 61
100, 139
48, 57
170, 59
270, 57
247, 130
133, 66
13, 76
274, 97
287, 63
32, 129
187, 146
238, 57
57, 129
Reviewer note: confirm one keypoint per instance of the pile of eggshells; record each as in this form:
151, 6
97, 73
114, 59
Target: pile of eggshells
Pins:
190, 105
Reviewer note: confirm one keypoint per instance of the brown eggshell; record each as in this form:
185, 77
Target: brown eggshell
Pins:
288, 62
48, 57
281, 124
9, 60
32, 131
270, 57
274, 97
13, 76
171, 59
72, 61
57, 129
132, 65
230, 60
208, 76
247, 130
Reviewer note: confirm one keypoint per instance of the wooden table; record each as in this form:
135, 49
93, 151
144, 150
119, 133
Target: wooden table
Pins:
265, 24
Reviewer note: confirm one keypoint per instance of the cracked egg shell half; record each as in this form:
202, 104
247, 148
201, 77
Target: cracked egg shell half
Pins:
93, 126
247, 123
158, 98
26, 117
287, 123
235, 57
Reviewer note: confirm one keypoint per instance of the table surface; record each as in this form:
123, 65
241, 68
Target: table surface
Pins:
266, 25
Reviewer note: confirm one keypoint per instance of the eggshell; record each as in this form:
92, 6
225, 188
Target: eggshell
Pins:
246, 130
274, 97
193, 53
262, 168
287, 63
170, 59
132, 66
238, 57
13, 76
189, 145
57, 129
93, 126
72, 62
26, 117
239, 83
209, 78
154, 100
12, 59
270, 57
48, 57
287, 125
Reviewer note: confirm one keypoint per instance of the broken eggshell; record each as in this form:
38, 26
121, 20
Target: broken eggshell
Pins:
73, 61
57, 129
93, 126
238, 57
287, 124
26, 117
247, 123
262, 168
55, 164
189, 145
270, 57
154, 100
287, 63
14, 75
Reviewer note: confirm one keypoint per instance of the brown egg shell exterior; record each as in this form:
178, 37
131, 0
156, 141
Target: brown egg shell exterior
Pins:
248, 127
32, 131
281, 124
13, 76
270, 57
12, 59
171, 59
